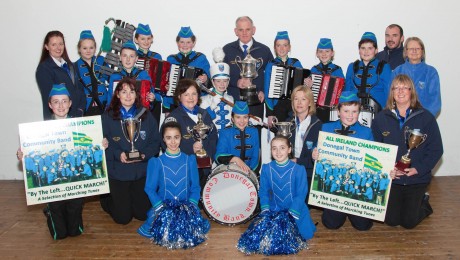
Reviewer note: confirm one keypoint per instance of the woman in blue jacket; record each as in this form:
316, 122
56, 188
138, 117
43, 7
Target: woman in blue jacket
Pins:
408, 202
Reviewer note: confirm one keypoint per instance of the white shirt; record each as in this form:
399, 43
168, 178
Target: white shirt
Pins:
249, 44
299, 135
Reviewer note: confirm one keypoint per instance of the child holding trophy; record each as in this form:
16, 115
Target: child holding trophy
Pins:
174, 191
349, 108
133, 139
404, 122
285, 223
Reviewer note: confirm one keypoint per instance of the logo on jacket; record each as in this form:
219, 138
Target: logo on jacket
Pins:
221, 68
116, 138
309, 145
143, 135
386, 133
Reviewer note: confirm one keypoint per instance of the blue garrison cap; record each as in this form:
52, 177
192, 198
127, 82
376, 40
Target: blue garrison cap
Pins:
282, 36
86, 34
129, 45
348, 96
185, 32
369, 36
143, 29
325, 43
240, 108
59, 89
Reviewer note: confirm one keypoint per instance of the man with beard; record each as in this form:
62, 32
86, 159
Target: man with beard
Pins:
393, 51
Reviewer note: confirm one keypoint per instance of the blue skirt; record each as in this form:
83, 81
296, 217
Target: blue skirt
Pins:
178, 224
272, 233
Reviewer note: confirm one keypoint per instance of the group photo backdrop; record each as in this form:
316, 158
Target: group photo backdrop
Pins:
25, 24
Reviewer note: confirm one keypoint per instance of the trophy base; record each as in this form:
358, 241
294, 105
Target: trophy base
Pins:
203, 162
403, 163
250, 96
133, 156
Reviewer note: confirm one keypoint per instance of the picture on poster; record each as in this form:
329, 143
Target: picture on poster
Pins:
352, 175
63, 159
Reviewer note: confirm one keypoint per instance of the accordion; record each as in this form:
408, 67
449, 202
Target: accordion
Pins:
142, 87
159, 73
284, 79
327, 89
179, 72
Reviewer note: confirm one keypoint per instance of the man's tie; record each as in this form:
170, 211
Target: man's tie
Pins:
245, 50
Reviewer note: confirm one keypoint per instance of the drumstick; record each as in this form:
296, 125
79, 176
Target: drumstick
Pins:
212, 93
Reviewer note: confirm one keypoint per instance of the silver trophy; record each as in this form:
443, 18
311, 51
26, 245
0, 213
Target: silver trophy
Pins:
283, 128
131, 129
249, 67
200, 132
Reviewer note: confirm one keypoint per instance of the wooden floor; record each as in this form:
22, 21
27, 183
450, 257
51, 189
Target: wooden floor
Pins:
24, 235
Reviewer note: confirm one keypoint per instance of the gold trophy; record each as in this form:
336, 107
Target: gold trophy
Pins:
249, 67
199, 132
414, 138
131, 129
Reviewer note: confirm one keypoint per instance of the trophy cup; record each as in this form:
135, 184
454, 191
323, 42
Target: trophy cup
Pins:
283, 128
131, 129
414, 138
199, 132
249, 67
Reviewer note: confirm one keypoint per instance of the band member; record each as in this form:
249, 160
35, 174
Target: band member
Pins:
144, 39
408, 203
239, 144
280, 108
55, 67
174, 190
220, 76
93, 81
128, 57
186, 41
285, 223
349, 108
127, 198
307, 127
369, 77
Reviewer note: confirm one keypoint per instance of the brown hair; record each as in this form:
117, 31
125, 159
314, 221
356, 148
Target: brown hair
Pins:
363, 41
405, 80
115, 104
182, 86
81, 40
415, 39
351, 103
45, 53
193, 38
309, 94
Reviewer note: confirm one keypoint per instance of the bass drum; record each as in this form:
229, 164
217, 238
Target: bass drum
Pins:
230, 196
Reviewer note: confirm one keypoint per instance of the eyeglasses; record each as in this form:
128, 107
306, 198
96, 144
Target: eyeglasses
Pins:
56, 103
400, 88
414, 49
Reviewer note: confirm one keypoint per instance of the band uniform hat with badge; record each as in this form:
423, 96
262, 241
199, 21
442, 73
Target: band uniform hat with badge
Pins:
220, 71
129, 45
59, 89
86, 34
240, 108
348, 96
369, 36
143, 29
325, 43
185, 32
283, 35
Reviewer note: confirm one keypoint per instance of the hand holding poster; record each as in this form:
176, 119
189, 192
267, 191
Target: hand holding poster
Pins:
63, 159
352, 175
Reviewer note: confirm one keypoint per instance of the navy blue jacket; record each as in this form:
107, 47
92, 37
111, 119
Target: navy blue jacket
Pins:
311, 135
385, 128
394, 57
49, 73
186, 144
258, 50
148, 143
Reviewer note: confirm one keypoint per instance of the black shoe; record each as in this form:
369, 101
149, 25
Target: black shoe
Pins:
426, 204
46, 211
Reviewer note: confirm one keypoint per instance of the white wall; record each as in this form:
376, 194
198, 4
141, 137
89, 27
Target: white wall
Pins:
25, 24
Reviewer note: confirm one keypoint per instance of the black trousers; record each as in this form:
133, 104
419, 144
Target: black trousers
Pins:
64, 218
156, 111
406, 206
334, 220
127, 200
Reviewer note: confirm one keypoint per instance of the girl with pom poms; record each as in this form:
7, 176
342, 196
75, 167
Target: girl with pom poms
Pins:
285, 224
174, 190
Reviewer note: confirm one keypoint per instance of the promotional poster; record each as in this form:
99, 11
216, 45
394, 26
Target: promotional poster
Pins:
63, 159
352, 175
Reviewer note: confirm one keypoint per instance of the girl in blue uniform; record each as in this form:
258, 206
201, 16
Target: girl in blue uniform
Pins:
279, 108
285, 223
239, 144
349, 108
185, 41
93, 81
174, 190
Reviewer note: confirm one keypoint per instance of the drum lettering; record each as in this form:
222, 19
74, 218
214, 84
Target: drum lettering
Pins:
215, 180
208, 189
226, 175
253, 194
206, 196
250, 205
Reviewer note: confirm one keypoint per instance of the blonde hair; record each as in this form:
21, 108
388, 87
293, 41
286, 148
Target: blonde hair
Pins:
307, 91
403, 79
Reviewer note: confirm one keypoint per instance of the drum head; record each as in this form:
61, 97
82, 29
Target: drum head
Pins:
230, 196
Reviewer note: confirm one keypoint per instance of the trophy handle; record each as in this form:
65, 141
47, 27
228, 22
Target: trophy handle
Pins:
138, 132
423, 139
274, 121
237, 61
